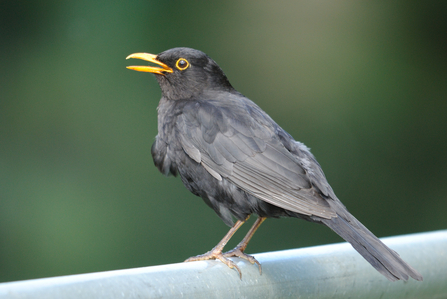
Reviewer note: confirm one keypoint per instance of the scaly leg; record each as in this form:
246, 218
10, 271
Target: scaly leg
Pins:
239, 249
216, 252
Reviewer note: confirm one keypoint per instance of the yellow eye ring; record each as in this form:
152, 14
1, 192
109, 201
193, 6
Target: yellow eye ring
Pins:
182, 64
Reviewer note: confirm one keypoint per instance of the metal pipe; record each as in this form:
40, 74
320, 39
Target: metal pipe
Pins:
330, 271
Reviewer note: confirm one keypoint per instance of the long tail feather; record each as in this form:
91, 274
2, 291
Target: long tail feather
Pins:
382, 258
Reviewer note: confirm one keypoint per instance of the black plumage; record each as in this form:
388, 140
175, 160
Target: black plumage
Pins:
229, 152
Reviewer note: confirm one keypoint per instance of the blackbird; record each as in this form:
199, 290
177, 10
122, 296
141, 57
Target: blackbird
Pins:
229, 152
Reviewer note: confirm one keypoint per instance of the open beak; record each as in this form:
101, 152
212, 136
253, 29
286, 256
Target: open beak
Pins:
151, 69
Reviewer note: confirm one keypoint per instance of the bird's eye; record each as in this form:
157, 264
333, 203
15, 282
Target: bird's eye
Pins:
182, 64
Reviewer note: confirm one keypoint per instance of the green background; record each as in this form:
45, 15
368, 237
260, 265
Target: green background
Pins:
363, 83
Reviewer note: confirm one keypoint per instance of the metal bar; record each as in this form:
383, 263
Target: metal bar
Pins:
330, 271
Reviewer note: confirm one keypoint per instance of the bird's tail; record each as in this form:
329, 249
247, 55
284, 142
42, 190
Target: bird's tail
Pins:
382, 258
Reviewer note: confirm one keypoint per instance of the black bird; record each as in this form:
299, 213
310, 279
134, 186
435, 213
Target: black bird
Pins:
229, 152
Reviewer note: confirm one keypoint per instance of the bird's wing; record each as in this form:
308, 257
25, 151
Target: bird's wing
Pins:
246, 149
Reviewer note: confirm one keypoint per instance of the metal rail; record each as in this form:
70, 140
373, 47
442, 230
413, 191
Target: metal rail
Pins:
330, 271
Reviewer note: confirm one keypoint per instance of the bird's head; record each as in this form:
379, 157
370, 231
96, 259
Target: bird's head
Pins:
184, 73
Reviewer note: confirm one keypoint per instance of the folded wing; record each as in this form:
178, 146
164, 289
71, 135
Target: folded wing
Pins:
247, 151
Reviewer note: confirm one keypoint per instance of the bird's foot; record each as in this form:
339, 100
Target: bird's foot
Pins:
238, 251
216, 254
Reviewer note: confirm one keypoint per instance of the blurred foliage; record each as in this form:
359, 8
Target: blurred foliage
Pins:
364, 84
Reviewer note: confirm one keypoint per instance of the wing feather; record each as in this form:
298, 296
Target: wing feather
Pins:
251, 155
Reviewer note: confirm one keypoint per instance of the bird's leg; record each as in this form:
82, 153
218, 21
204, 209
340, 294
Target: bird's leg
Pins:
239, 249
216, 252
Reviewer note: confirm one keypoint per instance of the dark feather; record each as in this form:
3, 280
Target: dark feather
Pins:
228, 151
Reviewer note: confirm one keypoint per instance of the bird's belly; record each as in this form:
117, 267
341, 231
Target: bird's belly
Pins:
223, 196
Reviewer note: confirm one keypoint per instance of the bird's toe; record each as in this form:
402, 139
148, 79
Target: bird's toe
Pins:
237, 252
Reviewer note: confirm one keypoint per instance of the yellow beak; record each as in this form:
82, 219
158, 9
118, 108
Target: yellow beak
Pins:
151, 69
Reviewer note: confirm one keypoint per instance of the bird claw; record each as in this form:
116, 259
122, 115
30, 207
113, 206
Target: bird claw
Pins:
238, 252
213, 255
